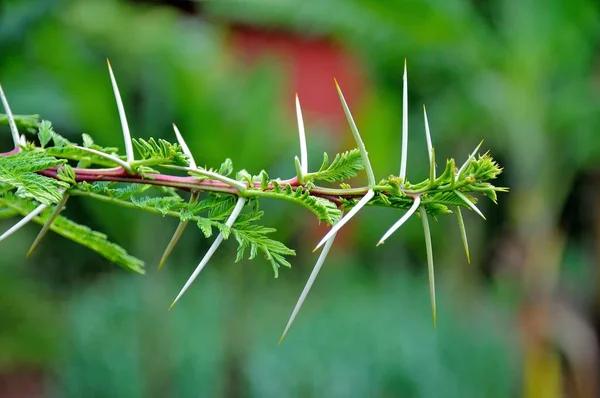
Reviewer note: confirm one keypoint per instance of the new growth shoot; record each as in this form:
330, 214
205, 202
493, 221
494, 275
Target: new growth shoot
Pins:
38, 176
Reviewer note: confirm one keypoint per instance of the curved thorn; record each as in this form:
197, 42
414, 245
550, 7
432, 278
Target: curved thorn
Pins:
124, 126
404, 154
361, 203
302, 135
11, 120
463, 232
213, 248
468, 202
401, 221
429, 263
23, 221
184, 147
357, 138
309, 283
59, 207
177, 234
466, 163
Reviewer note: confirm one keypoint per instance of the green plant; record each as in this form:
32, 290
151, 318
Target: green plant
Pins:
37, 179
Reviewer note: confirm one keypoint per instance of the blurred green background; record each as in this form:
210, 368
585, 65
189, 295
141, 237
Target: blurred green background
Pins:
521, 320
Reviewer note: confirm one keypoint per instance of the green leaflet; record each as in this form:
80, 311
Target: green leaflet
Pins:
155, 152
19, 172
345, 165
254, 237
483, 169
163, 204
46, 134
80, 234
28, 123
324, 209
113, 189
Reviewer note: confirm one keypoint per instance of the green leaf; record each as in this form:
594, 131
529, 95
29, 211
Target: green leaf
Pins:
344, 166
113, 189
254, 237
155, 152
162, 204
65, 173
205, 226
226, 168
80, 234
88, 142
45, 133
19, 171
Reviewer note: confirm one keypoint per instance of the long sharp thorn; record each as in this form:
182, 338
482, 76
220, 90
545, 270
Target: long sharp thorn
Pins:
361, 203
404, 156
469, 203
463, 232
430, 149
401, 221
23, 221
124, 126
176, 235
429, 263
11, 120
308, 286
213, 248
302, 136
465, 164
59, 207
357, 138
184, 147
126, 166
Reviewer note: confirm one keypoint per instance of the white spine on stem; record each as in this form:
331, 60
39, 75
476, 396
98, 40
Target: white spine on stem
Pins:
124, 125
213, 248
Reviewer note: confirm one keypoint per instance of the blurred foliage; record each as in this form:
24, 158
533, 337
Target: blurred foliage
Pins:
521, 75
350, 345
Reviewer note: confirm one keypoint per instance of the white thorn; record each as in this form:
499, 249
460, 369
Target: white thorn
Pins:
427, 134
468, 202
430, 268
11, 120
401, 221
184, 147
309, 283
357, 138
213, 248
361, 203
113, 158
404, 126
23, 221
302, 134
124, 126
465, 164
